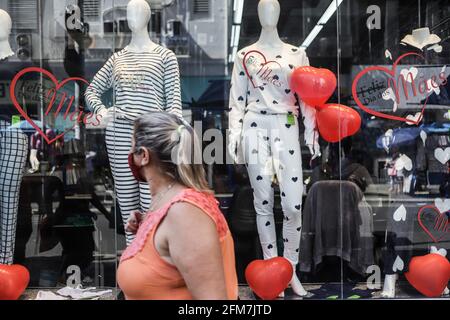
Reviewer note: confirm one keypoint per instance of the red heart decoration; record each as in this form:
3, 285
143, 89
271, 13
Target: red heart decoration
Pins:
391, 73
440, 223
58, 85
429, 274
268, 278
262, 65
336, 121
14, 280
314, 86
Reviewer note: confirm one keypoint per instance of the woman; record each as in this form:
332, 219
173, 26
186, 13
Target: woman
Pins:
183, 247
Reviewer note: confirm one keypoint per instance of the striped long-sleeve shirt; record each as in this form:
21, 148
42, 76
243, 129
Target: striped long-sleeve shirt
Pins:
142, 82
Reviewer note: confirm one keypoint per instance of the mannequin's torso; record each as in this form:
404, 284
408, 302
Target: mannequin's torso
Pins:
268, 70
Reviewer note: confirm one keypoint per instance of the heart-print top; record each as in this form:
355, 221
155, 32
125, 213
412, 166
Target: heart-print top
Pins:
260, 83
142, 82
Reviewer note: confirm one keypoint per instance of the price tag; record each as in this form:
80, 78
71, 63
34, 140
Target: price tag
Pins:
15, 119
291, 119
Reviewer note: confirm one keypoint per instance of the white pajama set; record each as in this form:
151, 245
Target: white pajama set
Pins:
142, 83
13, 155
263, 119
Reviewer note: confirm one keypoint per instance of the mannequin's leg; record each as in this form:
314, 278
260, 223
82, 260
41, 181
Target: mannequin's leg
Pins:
288, 166
390, 281
256, 153
13, 152
118, 143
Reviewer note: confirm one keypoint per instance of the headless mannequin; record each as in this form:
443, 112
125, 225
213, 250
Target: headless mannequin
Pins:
144, 78
5, 30
138, 17
269, 14
267, 111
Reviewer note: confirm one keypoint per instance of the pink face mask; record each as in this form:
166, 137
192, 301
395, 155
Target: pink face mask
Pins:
135, 170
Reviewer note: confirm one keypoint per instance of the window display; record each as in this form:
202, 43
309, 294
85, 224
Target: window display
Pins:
314, 135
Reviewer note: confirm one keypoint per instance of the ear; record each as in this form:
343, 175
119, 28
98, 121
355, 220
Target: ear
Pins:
146, 157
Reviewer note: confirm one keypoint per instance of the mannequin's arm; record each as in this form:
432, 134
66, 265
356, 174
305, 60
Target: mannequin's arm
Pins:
238, 92
100, 84
309, 120
34, 162
172, 85
34, 146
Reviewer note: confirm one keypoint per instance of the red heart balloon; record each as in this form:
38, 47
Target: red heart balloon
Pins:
314, 86
268, 278
336, 121
429, 274
14, 280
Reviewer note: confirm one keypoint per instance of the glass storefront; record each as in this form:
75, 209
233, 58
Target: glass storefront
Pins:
368, 185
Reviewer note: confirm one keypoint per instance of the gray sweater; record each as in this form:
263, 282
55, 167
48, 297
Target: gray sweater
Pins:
337, 221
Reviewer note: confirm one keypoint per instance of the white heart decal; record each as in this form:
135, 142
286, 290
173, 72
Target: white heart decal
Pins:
400, 214
403, 162
442, 251
423, 136
437, 48
387, 95
433, 86
442, 155
388, 54
398, 264
406, 74
443, 205
415, 118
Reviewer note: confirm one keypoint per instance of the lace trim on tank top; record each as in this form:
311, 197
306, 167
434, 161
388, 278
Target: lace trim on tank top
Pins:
206, 202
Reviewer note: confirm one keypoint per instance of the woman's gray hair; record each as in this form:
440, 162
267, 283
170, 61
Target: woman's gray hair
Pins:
175, 146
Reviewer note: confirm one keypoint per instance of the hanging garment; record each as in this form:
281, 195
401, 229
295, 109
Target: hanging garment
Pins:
337, 221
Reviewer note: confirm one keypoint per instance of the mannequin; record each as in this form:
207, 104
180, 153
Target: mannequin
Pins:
145, 78
13, 152
264, 132
5, 31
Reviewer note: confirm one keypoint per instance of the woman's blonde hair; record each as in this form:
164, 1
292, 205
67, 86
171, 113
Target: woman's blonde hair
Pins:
174, 145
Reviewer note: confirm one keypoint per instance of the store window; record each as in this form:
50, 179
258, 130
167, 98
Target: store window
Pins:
341, 167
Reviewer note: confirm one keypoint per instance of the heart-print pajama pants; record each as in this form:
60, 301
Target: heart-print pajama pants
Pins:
130, 194
271, 146
13, 153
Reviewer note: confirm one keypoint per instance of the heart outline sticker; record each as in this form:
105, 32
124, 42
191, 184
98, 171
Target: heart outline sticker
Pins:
440, 215
391, 73
58, 85
263, 65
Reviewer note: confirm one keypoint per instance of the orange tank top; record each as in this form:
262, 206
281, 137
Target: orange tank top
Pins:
144, 275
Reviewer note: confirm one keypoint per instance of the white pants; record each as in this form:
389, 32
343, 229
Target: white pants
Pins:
13, 154
271, 146
131, 194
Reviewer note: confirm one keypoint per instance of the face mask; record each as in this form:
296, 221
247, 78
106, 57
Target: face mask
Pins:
135, 170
